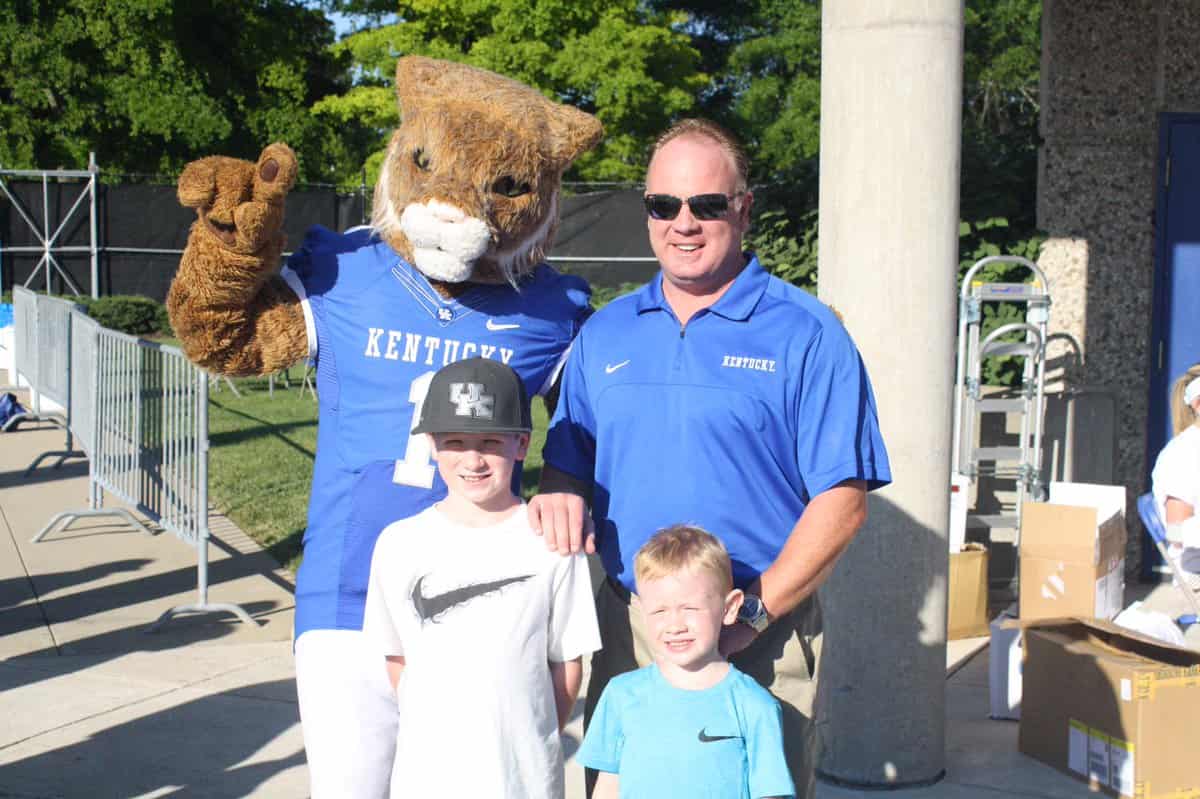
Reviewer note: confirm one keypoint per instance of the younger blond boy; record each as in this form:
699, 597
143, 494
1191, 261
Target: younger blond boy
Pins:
690, 724
482, 628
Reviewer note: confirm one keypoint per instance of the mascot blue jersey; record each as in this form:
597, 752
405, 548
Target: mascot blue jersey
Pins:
377, 332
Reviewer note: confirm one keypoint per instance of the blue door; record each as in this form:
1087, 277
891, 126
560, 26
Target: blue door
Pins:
1175, 330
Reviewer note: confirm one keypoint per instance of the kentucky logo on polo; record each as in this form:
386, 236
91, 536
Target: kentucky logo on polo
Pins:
469, 400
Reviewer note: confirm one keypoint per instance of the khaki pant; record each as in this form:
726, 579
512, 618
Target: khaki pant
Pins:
784, 660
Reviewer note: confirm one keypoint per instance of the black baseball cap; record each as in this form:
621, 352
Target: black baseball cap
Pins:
478, 395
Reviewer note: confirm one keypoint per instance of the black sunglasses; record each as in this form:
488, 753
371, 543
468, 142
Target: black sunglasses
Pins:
704, 206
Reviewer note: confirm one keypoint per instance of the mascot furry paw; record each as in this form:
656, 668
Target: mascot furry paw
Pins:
451, 268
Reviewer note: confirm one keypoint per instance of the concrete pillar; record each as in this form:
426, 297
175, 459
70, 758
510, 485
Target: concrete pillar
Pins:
891, 85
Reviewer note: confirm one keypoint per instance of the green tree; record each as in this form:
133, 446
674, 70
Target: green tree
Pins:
152, 84
1001, 68
619, 60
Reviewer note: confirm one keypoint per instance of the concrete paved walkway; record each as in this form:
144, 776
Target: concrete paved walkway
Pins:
93, 706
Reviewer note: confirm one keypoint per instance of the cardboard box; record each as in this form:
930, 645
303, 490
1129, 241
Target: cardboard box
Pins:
1004, 667
1072, 559
966, 602
1112, 707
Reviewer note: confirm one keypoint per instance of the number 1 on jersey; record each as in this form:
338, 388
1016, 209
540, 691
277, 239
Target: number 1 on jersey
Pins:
416, 469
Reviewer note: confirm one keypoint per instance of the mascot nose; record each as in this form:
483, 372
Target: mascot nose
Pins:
444, 212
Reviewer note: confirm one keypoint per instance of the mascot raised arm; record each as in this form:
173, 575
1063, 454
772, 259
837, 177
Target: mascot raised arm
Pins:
451, 267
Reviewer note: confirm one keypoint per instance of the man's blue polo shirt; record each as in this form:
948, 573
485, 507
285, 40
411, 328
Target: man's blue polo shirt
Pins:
733, 422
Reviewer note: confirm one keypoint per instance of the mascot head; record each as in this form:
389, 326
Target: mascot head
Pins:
469, 188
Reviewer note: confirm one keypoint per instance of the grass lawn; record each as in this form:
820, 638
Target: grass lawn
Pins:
261, 459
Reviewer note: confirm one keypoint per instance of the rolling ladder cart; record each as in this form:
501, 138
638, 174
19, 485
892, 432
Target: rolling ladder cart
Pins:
1021, 462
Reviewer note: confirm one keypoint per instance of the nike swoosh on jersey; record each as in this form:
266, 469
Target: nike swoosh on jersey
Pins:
492, 325
705, 738
430, 607
609, 368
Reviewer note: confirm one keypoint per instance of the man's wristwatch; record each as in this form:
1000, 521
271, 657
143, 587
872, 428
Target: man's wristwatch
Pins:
753, 613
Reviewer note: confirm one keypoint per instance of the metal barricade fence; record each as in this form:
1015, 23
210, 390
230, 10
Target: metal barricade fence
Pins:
25, 337
82, 409
43, 326
146, 423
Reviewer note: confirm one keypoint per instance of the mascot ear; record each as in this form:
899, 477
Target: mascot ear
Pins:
416, 77
572, 132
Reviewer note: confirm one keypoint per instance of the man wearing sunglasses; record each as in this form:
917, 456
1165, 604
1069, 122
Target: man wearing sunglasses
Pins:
720, 396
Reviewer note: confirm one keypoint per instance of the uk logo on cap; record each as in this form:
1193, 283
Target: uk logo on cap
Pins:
469, 400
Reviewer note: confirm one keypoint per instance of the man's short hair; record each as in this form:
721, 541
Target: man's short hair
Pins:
707, 129
683, 547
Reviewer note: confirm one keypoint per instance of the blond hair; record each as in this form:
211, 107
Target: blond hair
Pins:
683, 547
707, 129
1182, 414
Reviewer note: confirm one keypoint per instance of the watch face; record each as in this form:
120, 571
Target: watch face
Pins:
751, 609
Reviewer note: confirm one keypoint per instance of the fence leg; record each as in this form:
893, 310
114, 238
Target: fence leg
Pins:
71, 515
202, 604
62, 457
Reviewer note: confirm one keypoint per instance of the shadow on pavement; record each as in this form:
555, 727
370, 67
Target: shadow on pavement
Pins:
192, 749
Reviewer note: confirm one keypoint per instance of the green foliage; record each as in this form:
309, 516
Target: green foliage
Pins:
628, 65
1001, 68
131, 314
603, 295
784, 249
149, 85
777, 69
128, 313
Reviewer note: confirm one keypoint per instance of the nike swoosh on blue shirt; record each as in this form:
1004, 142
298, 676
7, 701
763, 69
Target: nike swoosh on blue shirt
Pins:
430, 607
493, 325
705, 738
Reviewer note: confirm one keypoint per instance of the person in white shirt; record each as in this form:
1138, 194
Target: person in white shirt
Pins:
482, 627
1175, 481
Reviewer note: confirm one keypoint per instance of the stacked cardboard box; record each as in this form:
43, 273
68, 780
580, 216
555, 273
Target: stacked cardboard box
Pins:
1112, 707
1072, 563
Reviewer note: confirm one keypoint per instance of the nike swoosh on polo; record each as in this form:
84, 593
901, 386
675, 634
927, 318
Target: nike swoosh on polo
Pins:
430, 607
493, 325
707, 739
612, 367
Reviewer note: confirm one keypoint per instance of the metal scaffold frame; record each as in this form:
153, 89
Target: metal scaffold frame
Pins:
48, 244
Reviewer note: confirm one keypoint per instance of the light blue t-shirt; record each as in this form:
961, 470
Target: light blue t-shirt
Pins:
733, 422
723, 742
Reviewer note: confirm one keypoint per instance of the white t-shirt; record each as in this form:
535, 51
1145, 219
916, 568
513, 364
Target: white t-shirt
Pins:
477, 613
1177, 474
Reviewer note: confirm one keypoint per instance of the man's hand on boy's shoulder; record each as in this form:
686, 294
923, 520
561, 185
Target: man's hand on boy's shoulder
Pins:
559, 513
564, 522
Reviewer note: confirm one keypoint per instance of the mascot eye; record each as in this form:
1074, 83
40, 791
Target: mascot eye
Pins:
421, 159
509, 187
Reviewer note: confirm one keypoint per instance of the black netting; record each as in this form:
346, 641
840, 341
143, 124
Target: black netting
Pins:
140, 216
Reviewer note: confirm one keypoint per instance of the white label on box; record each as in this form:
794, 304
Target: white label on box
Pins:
1120, 756
1097, 756
1126, 690
1077, 747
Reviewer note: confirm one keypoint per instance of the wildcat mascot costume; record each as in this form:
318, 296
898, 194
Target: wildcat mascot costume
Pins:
450, 268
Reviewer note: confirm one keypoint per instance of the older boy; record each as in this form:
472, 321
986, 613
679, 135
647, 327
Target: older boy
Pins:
482, 628
690, 724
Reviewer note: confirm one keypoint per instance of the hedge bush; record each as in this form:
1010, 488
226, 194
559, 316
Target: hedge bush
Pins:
138, 316
128, 313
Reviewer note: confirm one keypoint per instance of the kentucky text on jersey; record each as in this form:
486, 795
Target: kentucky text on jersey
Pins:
397, 345
742, 362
